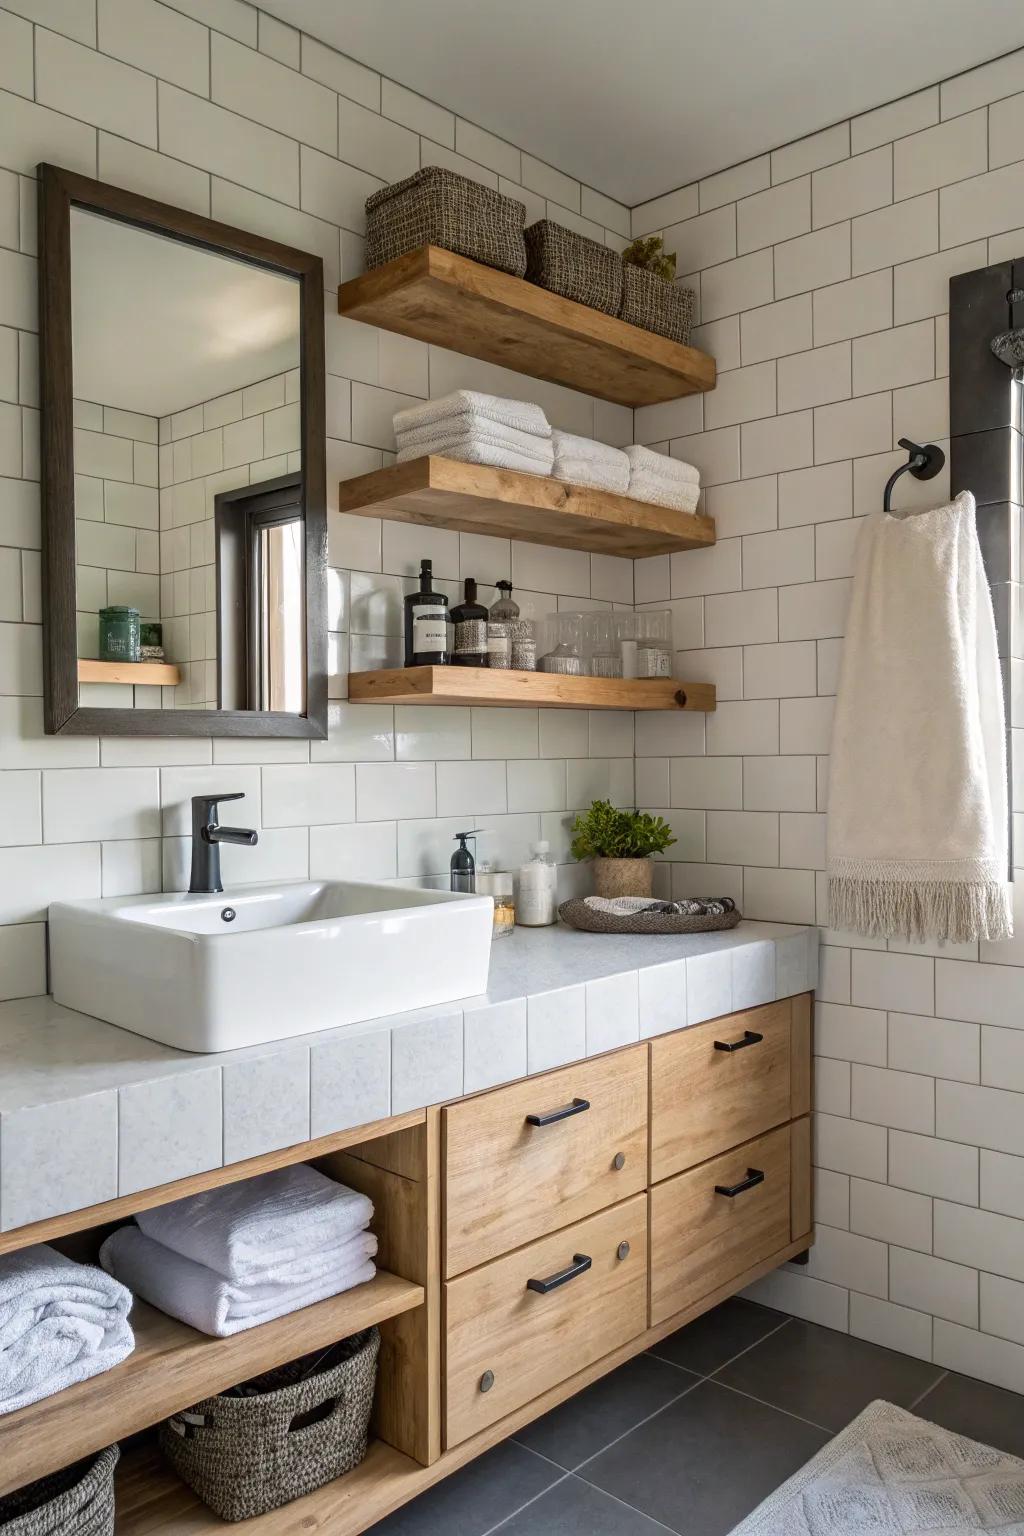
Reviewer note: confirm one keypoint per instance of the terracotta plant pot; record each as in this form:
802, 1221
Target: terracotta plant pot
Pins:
623, 877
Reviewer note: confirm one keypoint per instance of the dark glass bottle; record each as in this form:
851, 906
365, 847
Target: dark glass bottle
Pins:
426, 623
470, 621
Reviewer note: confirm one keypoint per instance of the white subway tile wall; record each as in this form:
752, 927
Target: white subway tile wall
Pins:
825, 279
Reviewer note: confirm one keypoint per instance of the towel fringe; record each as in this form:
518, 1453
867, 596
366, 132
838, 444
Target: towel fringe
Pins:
954, 910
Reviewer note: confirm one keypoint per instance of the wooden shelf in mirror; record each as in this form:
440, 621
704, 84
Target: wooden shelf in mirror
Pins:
439, 297
173, 1367
474, 498
154, 674
525, 690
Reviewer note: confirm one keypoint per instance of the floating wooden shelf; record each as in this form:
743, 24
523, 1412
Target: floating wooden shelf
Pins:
453, 302
156, 674
524, 690
474, 498
173, 1367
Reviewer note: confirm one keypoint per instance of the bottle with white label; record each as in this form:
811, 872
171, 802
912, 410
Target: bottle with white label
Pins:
537, 906
426, 623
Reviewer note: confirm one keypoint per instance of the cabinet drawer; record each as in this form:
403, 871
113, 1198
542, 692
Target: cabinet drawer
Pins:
509, 1180
527, 1341
706, 1098
701, 1238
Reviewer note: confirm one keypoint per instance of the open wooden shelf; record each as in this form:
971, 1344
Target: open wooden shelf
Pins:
173, 1367
474, 498
524, 690
456, 303
156, 674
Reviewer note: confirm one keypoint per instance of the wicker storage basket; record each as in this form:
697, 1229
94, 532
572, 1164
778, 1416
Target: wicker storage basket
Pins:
656, 305
78, 1501
438, 207
574, 266
282, 1435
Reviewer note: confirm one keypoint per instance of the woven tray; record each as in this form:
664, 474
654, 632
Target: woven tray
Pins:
656, 305
436, 206
578, 915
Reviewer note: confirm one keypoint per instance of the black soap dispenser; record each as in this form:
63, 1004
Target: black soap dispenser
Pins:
463, 865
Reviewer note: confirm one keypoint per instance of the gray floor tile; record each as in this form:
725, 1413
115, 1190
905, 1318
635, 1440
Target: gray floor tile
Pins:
574, 1508
975, 1409
709, 1341
825, 1376
476, 1497
704, 1462
601, 1413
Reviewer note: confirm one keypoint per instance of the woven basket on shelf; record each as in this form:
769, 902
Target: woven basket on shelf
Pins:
578, 915
573, 266
439, 207
656, 305
77, 1501
282, 1435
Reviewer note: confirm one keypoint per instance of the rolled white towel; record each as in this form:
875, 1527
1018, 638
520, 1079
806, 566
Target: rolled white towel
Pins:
568, 445
433, 439
599, 474
60, 1322
473, 450
682, 497
196, 1295
247, 1229
649, 461
522, 414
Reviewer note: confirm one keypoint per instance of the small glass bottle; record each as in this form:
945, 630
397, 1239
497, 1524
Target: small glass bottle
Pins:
469, 619
537, 906
499, 886
426, 623
504, 612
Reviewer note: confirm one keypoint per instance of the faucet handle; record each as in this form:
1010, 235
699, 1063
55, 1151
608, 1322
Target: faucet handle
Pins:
204, 807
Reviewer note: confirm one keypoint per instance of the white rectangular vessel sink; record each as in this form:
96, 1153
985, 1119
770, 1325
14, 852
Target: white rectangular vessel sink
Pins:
210, 973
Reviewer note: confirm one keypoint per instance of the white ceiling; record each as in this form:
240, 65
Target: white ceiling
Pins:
158, 325
636, 97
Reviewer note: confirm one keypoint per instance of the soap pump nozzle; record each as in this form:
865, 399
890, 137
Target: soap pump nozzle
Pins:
463, 865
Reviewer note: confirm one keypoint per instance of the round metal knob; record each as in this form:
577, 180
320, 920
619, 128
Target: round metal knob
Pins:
619, 1161
622, 1251
486, 1381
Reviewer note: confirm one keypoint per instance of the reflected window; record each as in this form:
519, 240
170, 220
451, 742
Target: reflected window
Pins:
261, 541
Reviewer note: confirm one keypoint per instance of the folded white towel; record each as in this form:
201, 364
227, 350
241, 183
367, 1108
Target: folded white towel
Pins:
655, 488
434, 439
194, 1294
917, 808
600, 474
568, 445
513, 413
60, 1322
651, 462
248, 1230
472, 450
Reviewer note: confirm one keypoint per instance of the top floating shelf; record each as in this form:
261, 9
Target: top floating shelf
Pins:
439, 297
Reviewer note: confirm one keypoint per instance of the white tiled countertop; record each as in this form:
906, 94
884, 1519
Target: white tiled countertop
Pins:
89, 1111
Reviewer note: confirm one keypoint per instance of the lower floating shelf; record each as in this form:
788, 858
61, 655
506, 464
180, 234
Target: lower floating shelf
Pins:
524, 690
154, 674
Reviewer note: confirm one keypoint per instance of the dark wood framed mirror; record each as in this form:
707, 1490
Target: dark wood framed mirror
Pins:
183, 471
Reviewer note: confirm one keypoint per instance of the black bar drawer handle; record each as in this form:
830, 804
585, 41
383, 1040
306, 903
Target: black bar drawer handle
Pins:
575, 1108
750, 1037
754, 1176
581, 1262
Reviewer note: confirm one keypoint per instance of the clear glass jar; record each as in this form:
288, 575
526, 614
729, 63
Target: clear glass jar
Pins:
501, 619
560, 647
602, 650
537, 906
499, 886
645, 642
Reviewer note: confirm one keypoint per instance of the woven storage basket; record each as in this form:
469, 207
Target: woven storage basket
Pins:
578, 915
78, 1501
281, 1435
656, 305
438, 207
573, 266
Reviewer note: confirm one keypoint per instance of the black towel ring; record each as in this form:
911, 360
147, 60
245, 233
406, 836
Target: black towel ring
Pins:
924, 464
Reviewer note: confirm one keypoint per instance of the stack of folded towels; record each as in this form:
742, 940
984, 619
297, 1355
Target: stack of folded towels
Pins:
667, 482
60, 1322
582, 461
478, 429
241, 1254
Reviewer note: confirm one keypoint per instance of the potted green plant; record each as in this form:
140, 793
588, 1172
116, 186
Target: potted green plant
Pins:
621, 845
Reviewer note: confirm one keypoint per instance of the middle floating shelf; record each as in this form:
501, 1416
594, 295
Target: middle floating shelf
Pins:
475, 498
525, 690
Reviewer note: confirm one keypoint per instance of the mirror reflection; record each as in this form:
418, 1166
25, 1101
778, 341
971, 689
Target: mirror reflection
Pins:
189, 508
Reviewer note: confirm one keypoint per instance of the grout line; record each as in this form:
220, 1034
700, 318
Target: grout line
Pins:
527, 1503
922, 1395
577, 1470
766, 1404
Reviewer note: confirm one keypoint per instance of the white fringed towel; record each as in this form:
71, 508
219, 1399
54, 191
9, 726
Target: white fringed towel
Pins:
917, 823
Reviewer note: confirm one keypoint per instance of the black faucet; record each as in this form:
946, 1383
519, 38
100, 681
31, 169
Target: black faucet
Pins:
207, 835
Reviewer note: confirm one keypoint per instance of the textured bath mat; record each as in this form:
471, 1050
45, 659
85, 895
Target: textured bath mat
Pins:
892, 1474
